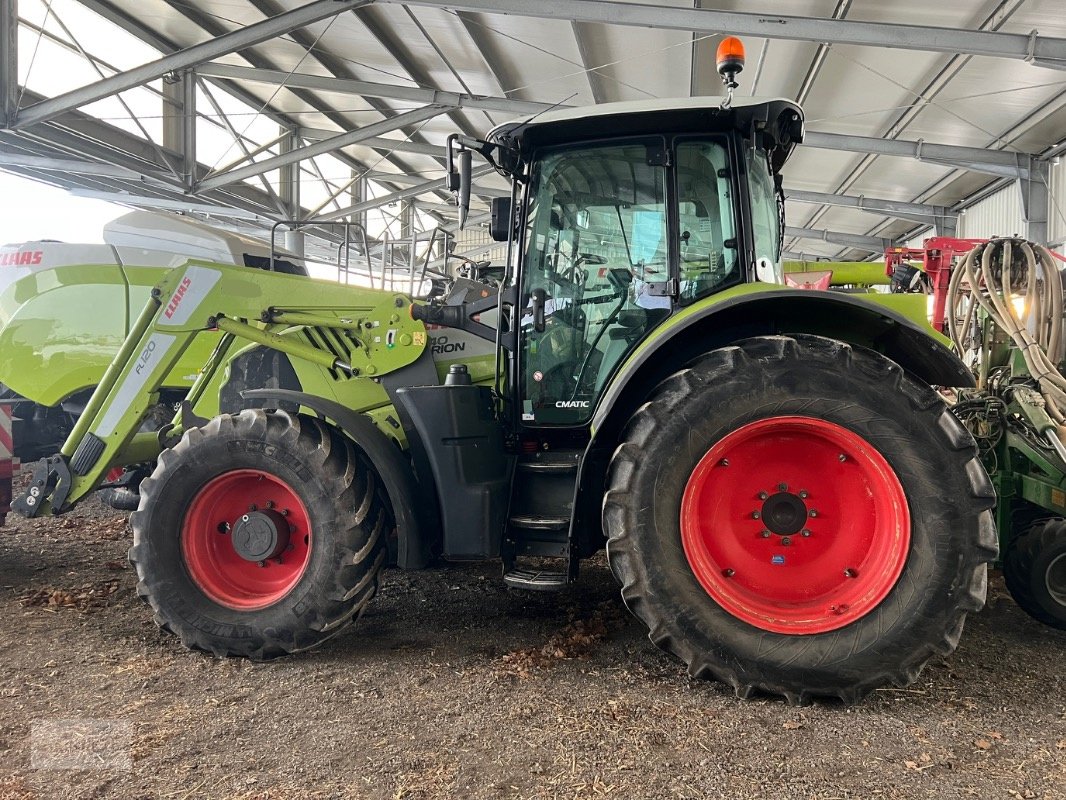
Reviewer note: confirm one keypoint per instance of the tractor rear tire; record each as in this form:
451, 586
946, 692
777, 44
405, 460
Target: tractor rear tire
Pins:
798, 517
1034, 569
258, 535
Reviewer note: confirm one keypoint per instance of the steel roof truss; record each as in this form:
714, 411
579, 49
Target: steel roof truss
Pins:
322, 147
1045, 51
232, 42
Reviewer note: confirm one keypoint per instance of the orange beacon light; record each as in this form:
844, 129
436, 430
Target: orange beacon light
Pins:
730, 60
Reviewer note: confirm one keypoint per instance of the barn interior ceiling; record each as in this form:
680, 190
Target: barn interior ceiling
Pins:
257, 112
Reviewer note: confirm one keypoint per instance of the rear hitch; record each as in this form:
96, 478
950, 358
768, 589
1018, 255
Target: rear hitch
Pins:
51, 481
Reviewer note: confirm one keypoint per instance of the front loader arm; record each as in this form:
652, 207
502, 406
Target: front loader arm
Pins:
192, 299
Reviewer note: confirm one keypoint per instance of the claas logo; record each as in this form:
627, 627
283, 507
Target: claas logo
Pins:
175, 301
25, 258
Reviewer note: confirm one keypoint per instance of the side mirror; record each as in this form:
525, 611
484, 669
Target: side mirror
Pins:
500, 222
465, 159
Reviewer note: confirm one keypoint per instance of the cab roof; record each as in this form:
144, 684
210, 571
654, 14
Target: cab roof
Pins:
778, 121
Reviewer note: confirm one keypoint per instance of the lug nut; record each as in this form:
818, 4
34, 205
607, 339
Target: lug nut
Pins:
805, 533
850, 573
842, 458
803, 494
786, 542
783, 487
813, 512
724, 462
765, 534
223, 527
755, 515
270, 504
763, 495
262, 563
728, 573
253, 507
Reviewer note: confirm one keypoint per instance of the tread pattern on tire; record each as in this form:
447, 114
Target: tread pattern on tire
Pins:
360, 518
1019, 564
620, 508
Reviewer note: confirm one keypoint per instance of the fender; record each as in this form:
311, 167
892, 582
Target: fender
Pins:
839, 316
407, 497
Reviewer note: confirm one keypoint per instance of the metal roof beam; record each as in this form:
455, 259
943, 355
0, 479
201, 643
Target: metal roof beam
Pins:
1036, 202
399, 180
232, 42
995, 162
153, 39
377, 142
1045, 51
335, 66
323, 83
597, 84
492, 54
319, 148
141, 201
976, 159
403, 194
873, 244
67, 165
84, 138
9, 61
914, 212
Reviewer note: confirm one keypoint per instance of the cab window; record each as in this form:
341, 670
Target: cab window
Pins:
709, 257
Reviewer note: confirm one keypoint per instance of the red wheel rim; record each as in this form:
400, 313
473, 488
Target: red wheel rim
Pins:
225, 526
795, 525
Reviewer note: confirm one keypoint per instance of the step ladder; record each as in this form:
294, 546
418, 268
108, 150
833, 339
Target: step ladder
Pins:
538, 527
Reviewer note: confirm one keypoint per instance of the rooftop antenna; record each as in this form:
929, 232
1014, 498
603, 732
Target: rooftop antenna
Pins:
730, 60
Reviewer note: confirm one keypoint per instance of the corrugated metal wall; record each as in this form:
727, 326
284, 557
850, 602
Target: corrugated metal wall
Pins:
999, 214
1057, 210
916, 241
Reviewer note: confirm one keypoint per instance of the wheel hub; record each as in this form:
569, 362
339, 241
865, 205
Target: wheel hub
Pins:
820, 549
246, 539
259, 535
784, 513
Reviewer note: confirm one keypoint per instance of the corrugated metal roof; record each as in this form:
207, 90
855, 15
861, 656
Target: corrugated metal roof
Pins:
862, 90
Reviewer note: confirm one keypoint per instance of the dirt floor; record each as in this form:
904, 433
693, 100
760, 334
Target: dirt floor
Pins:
453, 687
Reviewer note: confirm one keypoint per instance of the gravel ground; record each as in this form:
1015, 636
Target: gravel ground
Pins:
451, 686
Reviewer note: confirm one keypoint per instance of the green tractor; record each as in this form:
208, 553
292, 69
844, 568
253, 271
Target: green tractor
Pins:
787, 503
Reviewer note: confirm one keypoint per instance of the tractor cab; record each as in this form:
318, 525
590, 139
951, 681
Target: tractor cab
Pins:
621, 216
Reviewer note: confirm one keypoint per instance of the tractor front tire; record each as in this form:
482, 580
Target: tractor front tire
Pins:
1034, 569
798, 517
258, 535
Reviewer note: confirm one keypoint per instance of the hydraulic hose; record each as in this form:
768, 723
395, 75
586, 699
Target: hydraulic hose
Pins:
995, 275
